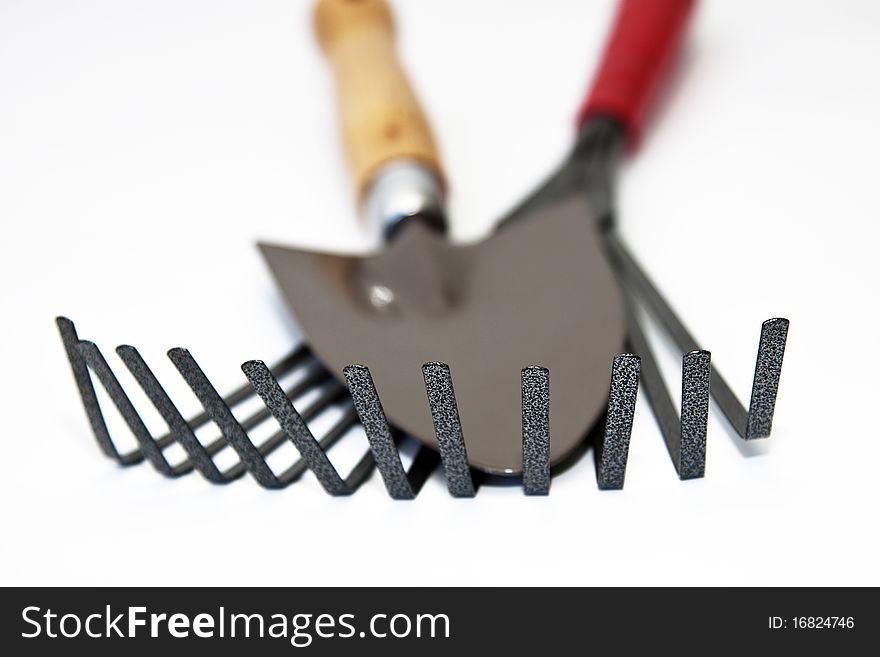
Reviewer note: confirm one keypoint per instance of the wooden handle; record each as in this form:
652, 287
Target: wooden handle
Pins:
381, 118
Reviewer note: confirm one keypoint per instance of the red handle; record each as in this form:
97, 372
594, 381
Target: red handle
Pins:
641, 47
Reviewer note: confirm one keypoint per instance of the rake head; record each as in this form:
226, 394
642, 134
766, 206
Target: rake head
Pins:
684, 433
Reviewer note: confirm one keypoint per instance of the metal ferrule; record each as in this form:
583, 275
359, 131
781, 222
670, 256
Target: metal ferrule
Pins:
401, 190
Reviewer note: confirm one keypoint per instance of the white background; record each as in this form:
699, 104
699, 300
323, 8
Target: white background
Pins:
146, 146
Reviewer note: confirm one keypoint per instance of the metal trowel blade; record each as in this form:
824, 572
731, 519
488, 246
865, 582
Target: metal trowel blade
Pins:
538, 292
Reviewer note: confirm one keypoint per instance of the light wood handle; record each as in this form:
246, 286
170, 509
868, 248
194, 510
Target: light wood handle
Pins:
381, 118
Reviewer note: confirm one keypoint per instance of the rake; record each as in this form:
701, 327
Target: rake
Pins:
684, 434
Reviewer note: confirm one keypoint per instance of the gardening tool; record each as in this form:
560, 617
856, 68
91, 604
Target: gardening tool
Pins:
642, 40
539, 292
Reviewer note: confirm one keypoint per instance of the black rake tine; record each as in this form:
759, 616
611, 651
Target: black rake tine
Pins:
289, 419
536, 430
179, 430
757, 421
220, 414
696, 371
148, 446
768, 368
372, 417
86, 389
246, 390
329, 395
337, 431
325, 399
685, 436
342, 425
613, 452
274, 442
313, 378
750, 424
447, 429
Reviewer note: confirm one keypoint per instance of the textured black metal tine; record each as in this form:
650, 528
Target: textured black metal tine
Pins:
315, 377
337, 431
330, 394
536, 430
686, 446
749, 424
276, 401
180, 431
757, 420
86, 389
297, 356
372, 417
147, 445
327, 397
295, 471
400, 484
220, 414
613, 452
768, 368
447, 429
695, 375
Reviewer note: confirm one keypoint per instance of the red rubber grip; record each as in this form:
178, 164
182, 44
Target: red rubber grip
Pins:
640, 49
